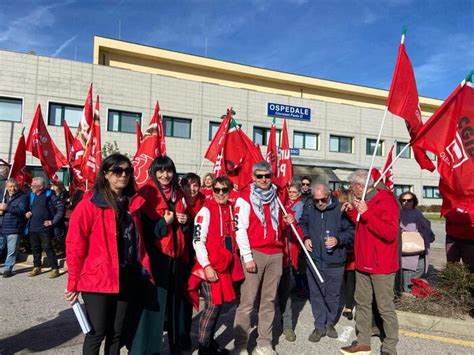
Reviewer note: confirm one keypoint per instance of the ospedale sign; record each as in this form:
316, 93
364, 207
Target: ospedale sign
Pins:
287, 111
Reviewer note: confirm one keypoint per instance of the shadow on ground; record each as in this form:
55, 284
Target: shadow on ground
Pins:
44, 336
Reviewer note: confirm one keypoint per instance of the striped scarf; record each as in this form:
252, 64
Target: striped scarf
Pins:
258, 198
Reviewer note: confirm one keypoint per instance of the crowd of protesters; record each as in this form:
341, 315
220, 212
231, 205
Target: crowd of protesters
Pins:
142, 258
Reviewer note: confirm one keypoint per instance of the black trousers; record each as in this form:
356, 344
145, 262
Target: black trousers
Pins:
42, 239
106, 313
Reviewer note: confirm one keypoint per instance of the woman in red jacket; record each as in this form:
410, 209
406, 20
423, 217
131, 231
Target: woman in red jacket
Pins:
104, 253
164, 222
217, 262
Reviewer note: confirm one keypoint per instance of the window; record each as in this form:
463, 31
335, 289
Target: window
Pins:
213, 127
10, 109
370, 146
304, 140
340, 144
122, 121
407, 153
399, 189
338, 185
38, 171
431, 192
261, 135
59, 112
177, 127
431, 155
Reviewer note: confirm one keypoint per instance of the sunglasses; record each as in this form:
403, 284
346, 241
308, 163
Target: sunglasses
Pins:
305, 184
323, 200
224, 190
261, 176
407, 199
118, 171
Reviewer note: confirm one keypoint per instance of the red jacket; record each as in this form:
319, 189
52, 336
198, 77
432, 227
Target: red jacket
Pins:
193, 209
293, 247
150, 201
250, 231
91, 248
377, 235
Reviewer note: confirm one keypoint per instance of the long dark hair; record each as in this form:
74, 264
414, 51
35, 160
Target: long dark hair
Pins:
102, 186
164, 163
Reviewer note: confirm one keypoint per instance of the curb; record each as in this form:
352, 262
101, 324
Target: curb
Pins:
458, 327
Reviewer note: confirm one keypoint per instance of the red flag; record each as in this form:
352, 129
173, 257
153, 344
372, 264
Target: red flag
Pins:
40, 144
271, 156
388, 178
403, 101
68, 139
138, 130
92, 158
233, 152
150, 148
74, 153
285, 169
87, 118
449, 134
18, 169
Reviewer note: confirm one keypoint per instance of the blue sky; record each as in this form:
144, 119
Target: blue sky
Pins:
347, 41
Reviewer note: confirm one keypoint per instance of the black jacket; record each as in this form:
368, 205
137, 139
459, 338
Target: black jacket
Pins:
13, 219
315, 223
52, 209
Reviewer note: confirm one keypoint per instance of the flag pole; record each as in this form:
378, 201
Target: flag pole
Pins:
391, 164
293, 228
373, 157
10, 170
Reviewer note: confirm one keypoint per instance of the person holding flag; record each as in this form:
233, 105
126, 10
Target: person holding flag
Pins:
261, 247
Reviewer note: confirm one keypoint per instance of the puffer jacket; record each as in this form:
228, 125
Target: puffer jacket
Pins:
13, 219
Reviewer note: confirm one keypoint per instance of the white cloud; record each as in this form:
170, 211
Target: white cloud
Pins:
63, 46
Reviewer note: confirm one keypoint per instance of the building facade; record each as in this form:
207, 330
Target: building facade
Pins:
332, 126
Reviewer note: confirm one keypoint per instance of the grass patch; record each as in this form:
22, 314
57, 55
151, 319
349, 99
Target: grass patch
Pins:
433, 216
455, 288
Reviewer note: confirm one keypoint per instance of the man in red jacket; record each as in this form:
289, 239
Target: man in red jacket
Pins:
376, 254
261, 247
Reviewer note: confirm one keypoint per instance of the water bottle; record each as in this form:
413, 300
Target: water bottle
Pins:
328, 249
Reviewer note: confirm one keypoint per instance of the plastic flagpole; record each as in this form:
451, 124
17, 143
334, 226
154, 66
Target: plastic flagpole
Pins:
10, 171
393, 162
293, 228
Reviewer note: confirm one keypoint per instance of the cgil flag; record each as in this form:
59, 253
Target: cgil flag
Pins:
18, 168
92, 158
41, 146
271, 156
388, 178
138, 131
449, 134
233, 152
285, 166
153, 145
403, 101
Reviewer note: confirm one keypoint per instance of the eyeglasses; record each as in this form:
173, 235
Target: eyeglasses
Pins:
224, 190
323, 200
261, 176
305, 184
407, 199
118, 171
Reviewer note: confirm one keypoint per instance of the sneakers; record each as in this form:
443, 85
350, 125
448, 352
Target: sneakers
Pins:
356, 348
331, 331
289, 334
7, 273
35, 272
264, 350
316, 335
54, 273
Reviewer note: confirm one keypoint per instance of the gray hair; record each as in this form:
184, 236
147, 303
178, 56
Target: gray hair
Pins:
360, 177
12, 181
296, 185
321, 187
4, 169
262, 166
40, 180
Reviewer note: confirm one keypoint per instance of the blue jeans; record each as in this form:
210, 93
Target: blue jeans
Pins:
11, 241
